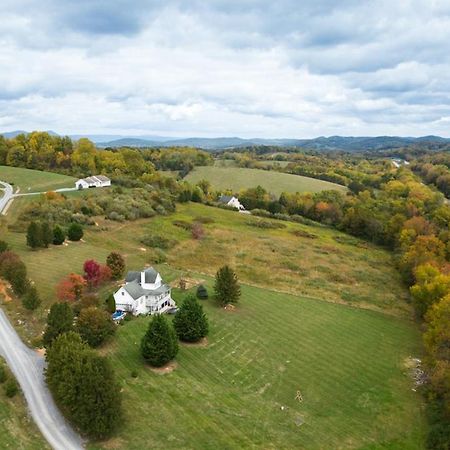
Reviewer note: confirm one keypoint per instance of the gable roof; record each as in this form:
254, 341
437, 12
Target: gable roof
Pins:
225, 198
133, 275
136, 291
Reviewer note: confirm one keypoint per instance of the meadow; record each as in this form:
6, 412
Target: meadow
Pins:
34, 180
235, 179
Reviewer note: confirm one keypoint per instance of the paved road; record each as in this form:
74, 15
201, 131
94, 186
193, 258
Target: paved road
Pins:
28, 368
7, 195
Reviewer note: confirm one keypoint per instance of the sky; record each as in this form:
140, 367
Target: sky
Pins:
248, 68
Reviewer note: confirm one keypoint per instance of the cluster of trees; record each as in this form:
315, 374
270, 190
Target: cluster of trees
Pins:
42, 234
13, 270
436, 174
159, 345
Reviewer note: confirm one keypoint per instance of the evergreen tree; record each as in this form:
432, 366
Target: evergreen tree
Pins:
3, 246
95, 325
46, 234
75, 232
34, 235
202, 292
190, 322
18, 279
84, 384
159, 344
59, 321
110, 303
58, 235
31, 299
226, 287
116, 263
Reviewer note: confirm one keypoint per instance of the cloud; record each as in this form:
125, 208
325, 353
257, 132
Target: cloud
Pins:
236, 67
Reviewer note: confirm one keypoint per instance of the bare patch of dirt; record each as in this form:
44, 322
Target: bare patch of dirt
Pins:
168, 368
142, 249
203, 342
40, 351
113, 443
187, 281
229, 307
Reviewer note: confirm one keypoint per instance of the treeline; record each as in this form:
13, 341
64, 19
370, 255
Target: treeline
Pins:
435, 170
42, 151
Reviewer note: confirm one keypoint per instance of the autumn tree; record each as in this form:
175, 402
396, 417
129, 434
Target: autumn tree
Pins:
59, 321
71, 287
226, 287
116, 263
159, 344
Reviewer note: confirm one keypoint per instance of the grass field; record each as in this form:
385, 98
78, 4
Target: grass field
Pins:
239, 391
234, 178
34, 180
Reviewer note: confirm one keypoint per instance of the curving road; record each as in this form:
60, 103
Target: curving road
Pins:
28, 368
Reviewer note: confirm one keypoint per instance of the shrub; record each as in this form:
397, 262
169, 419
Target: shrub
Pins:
110, 303
190, 322
183, 224
265, 224
159, 344
11, 387
59, 321
58, 235
86, 301
197, 231
116, 263
202, 292
157, 256
46, 234
3, 246
34, 235
157, 241
75, 232
31, 299
95, 326
71, 287
226, 287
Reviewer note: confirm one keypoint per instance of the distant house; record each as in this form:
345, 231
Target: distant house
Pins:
93, 182
232, 201
144, 293
398, 162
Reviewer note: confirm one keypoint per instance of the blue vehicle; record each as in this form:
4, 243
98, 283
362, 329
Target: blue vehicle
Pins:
117, 316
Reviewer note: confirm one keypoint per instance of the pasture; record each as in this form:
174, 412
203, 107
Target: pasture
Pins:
236, 179
34, 180
241, 389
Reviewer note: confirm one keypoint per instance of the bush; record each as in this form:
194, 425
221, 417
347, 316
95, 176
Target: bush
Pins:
3, 246
197, 231
116, 263
58, 235
183, 224
265, 224
157, 256
159, 344
34, 235
11, 388
110, 304
31, 299
95, 326
3, 374
202, 292
156, 241
75, 232
190, 322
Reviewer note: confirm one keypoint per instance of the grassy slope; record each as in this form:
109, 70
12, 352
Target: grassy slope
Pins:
34, 180
348, 364
275, 182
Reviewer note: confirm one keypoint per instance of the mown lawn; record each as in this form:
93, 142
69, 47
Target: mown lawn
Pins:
235, 178
240, 390
34, 180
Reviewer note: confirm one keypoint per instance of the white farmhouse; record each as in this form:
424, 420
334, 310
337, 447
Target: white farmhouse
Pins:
232, 201
144, 293
93, 182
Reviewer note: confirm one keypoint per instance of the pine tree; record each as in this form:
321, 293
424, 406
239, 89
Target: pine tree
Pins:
226, 287
116, 263
75, 232
34, 235
159, 344
3, 246
95, 325
110, 303
31, 299
46, 234
58, 235
190, 322
59, 321
202, 292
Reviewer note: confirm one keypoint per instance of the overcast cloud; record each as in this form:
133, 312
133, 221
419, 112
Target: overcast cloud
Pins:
245, 68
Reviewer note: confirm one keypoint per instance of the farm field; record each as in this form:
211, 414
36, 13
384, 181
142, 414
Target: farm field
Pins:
34, 180
235, 178
240, 390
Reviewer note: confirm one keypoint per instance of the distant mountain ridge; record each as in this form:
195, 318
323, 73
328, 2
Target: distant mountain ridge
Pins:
344, 143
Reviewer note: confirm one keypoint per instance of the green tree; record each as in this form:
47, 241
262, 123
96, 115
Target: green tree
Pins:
226, 287
95, 325
190, 322
75, 232
116, 263
34, 235
202, 292
46, 234
31, 299
110, 303
59, 321
159, 345
3, 246
58, 235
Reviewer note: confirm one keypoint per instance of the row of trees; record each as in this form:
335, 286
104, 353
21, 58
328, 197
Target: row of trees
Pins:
41, 234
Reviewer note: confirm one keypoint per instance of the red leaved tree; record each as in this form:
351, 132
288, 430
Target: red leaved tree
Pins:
92, 272
71, 287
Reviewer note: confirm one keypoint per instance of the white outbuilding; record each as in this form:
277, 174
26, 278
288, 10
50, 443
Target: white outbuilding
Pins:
93, 182
232, 201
